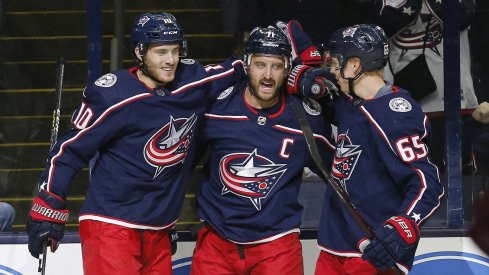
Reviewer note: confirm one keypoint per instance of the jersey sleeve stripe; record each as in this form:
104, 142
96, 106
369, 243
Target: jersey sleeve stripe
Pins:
421, 191
377, 126
77, 136
207, 79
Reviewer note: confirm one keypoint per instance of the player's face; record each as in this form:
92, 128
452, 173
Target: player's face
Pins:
266, 74
162, 60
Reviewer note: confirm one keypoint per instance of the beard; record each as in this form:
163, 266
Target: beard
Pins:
253, 87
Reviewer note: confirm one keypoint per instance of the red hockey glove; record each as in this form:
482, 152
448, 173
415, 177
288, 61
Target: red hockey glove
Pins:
395, 242
311, 82
46, 222
303, 51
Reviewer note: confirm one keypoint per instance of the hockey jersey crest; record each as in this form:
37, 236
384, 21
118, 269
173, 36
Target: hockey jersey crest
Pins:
249, 175
170, 144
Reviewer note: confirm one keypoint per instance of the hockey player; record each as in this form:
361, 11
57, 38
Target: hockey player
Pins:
141, 122
248, 193
138, 126
381, 161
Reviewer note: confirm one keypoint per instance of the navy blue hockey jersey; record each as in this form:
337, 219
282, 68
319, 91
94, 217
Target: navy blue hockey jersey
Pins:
144, 140
250, 187
382, 162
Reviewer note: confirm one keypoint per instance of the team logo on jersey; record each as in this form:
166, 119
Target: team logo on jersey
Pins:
345, 159
169, 146
249, 175
187, 61
311, 106
107, 80
225, 93
261, 120
400, 104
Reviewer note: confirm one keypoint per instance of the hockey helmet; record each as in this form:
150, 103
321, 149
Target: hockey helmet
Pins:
269, 41
365, 41
158, 28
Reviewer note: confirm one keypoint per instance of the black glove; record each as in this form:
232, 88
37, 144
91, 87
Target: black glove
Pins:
311, 82
46, 222
303, 51
395, 242
173, 235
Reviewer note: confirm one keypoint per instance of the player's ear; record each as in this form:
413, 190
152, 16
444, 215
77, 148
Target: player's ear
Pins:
137, 51
356, 65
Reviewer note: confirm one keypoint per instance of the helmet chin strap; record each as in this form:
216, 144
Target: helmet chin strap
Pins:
143, 68
356, 98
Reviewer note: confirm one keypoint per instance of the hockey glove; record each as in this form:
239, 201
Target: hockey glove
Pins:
173, 235
396, 241
311, 82
46, 222
303, 51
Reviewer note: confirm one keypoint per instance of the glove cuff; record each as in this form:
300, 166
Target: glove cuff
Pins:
293, 78
407, 228
49, 207
311, 57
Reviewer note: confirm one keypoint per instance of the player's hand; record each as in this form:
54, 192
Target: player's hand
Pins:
46, 222
303, 51
396, 241
312, 82
481, 113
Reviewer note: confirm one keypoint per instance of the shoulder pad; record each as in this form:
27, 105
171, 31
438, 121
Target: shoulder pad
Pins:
311, 106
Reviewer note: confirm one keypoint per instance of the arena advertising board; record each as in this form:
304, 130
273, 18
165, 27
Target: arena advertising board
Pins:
435, 256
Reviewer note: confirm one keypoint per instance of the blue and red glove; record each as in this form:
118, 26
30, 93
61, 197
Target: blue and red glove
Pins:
395, 242
303, 51
46, 222
311, 82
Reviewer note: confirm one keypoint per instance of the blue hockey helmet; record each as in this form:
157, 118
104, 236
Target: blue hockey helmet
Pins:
160, 28
268, 41
365, 41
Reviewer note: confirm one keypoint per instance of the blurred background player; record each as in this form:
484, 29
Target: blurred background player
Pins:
248, 196
381, 161
7, 216
416, 36
480, 228
141, 122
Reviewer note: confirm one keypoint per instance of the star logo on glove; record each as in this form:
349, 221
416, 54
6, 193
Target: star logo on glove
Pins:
416, 217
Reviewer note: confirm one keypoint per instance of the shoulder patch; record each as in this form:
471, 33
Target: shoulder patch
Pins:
107, 80
400, 104
311, 106
187, 61
225, 93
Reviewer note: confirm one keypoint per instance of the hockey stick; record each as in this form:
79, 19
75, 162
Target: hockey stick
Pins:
54, 137
42, 263
340, 192
57, 109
